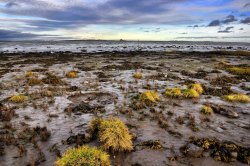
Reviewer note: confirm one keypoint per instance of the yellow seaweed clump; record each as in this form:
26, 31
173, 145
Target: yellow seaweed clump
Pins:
207, 110
114, 135
173, 92
34, 81
18, 98
237, 98
138, 75
29, 74
71, 74
85, 155
193, 91
52, 79
197, 87
190, 93
239, 70
150, 96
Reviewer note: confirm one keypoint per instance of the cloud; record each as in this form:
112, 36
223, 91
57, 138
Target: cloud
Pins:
246, 20
11, 4
246, 5
214, 37
229, 19
214, 23
100, 16
79, 12
8, 35
227, 30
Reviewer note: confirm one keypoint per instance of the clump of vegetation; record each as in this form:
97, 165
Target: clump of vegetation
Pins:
71, 74
85, 155
221, 151
6, 113
197, 87
237, 98
173, 92
150, 96
113, 134
18, 98
193, 91
224, 80
34, 81
190, 93
138, 75
239, 70
52, 79
207, 110
156, 145
29, 74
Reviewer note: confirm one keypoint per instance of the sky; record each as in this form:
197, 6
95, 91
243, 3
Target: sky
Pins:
157, 20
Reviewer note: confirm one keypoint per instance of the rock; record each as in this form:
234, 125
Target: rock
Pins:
194, 151
224, 110
245, 112
234, 156
218, 129
206, 154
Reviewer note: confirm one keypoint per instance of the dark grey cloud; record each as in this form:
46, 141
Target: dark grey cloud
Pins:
241, 29
214, 23
246, 20
9, 35
13, 35
229, 19
226, 30
11, 4
113, 11
247, 5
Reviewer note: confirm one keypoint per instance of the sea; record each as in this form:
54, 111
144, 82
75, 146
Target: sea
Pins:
122, 46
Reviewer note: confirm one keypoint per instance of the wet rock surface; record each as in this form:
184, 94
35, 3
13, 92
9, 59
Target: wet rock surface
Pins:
56, 115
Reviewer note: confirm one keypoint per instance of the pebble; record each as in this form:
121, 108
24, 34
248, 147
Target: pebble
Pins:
218, 129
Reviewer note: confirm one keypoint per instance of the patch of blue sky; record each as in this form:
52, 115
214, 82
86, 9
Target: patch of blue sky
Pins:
213, 3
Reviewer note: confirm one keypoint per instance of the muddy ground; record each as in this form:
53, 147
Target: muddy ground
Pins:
56, 114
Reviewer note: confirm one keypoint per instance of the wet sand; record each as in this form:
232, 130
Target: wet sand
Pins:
105, 87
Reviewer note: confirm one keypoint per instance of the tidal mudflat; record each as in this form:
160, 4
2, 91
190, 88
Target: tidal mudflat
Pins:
179, 108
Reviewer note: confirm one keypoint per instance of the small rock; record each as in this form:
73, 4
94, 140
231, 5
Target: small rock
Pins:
234, 155
245, 112
218, 129
206, 154
194, 151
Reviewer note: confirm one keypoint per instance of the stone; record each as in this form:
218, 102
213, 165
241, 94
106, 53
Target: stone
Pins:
194, 151
218, 129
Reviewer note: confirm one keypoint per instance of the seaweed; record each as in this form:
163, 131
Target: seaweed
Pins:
85, 155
